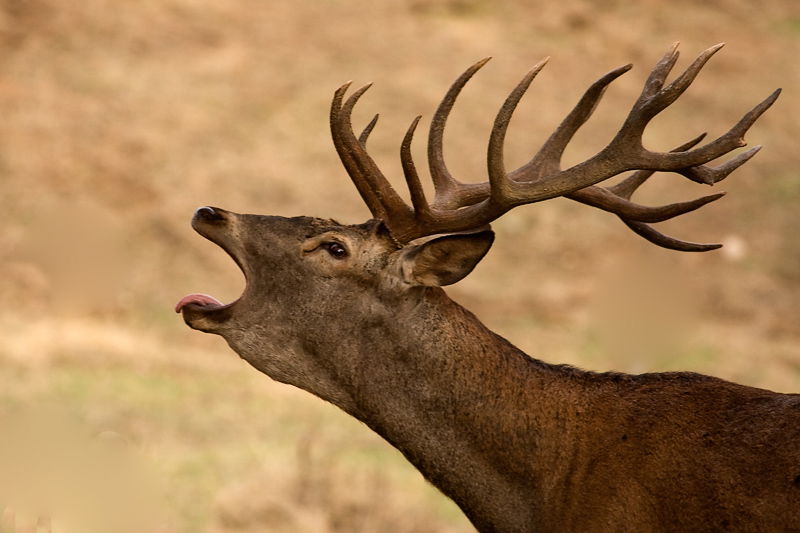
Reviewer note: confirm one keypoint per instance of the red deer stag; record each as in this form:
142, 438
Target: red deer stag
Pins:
355, 315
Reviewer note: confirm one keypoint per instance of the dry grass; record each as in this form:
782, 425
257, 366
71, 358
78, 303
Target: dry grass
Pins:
120, 118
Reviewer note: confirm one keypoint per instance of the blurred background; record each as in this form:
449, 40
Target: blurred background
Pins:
120, 118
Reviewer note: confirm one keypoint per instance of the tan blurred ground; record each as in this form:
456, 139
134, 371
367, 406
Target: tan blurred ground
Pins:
117, 119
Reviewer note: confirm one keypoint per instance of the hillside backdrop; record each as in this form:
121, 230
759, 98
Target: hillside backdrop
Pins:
118, 119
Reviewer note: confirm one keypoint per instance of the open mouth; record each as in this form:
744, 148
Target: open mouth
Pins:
213, 224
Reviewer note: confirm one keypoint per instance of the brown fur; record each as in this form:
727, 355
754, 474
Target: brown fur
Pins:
518, 444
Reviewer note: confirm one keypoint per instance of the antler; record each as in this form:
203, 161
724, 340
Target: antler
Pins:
463, 206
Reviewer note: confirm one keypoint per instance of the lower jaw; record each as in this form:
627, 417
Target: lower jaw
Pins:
207, 318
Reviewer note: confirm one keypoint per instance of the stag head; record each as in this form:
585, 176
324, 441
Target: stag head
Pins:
303, 271
316, 288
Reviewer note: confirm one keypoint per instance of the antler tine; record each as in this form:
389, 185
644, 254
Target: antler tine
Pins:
394, 205
616, 200
604, 199
725, 143
655, 81
655, 97
382, 200
449, 192
439, 174
710, 175
628, 186
649, 104
665, 241
545, 161
499, 182
548, 159
682, 82
345, 155
418, 200
367, 130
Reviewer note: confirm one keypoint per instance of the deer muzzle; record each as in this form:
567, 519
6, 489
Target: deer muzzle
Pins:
202, 311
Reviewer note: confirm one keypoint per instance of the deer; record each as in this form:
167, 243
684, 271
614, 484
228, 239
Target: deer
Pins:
356, 315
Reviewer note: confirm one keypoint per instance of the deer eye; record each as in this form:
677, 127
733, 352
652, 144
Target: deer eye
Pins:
335, 249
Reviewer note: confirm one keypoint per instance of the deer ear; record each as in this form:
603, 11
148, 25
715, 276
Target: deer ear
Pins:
444, 260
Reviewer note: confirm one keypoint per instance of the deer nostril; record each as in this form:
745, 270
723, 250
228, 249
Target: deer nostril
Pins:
208, 214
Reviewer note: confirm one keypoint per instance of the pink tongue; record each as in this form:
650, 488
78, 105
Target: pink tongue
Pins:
199, 299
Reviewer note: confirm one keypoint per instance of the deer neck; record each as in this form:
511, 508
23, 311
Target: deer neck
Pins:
473, 413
